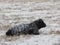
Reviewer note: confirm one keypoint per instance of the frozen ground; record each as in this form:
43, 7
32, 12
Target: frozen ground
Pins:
25, 12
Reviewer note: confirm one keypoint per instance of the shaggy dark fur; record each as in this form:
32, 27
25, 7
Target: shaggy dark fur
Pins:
32, 28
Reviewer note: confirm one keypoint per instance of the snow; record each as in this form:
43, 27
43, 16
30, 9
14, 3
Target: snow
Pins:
26, 12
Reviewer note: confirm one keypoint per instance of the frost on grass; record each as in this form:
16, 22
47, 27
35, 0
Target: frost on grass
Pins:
26, 12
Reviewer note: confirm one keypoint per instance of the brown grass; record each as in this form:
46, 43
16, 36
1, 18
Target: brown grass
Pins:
54, 32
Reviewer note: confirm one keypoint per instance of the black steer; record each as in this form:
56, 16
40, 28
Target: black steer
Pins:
31, 28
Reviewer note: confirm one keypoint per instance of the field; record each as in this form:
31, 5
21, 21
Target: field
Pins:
17, 12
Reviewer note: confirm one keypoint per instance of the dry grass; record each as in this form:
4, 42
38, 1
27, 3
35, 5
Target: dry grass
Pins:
55, 32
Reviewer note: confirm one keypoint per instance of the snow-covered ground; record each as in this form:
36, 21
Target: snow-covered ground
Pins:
25, 12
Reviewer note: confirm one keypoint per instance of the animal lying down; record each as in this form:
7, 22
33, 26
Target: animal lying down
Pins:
31, 28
